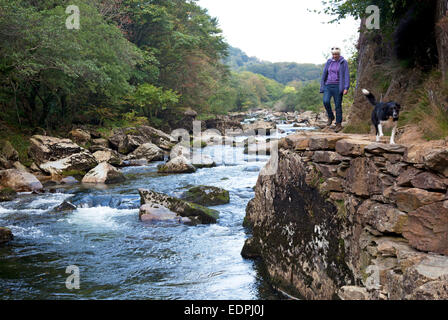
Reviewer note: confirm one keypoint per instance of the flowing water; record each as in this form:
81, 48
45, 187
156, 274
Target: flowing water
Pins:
120, 257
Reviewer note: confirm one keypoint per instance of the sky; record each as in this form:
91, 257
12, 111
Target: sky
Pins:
281, 30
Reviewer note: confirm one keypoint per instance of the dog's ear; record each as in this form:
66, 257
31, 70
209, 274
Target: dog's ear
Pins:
398, 106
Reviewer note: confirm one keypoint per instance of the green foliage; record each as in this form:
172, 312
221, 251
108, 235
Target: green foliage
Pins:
340, 9
309, 97
152, 100
282, 72
53, 76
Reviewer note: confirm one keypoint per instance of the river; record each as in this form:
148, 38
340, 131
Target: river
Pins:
120, 257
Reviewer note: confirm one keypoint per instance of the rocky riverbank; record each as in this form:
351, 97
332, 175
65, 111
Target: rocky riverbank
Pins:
346, 217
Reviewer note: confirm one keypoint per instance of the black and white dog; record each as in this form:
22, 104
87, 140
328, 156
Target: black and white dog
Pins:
382, 114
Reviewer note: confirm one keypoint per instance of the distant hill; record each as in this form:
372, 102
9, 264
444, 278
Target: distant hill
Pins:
283, 72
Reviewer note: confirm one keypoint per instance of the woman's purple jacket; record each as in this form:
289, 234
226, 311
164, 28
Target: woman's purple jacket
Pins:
344, 75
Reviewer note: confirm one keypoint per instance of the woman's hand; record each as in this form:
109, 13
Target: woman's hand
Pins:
345, 92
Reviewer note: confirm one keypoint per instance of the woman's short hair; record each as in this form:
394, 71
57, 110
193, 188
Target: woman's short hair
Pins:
335, 50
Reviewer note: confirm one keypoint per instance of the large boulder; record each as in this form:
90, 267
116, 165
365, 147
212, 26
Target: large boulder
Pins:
259, 127
8, 155
5, 235
148, 151
128, 139
45, 148
19, 181
109, 156
7, 194
177, 165
79, 136
180, 149
155, 212
182, 208
104, 173
79, 162
200, 161
223, 124
207, 196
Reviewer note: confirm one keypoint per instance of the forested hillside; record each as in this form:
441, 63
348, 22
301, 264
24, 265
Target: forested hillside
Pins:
283, 72
130, 61
129, 58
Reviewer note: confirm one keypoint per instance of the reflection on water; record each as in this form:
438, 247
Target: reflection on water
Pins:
122, 258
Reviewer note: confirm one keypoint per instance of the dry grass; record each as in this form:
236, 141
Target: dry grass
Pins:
428, 108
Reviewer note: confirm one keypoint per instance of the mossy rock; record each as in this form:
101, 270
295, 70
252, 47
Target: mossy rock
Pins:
7, 194
181, 207
207, 196
5, 235
206, 215
77, 174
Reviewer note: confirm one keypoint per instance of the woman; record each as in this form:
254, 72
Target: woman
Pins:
335, 83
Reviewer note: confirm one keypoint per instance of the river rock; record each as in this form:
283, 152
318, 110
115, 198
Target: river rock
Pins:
108, 155
79, 136
181, 207
135, 163
126, 140
177, 165
45, 148
5, 235
200, 161
80, 162
155, 212
19, 181
259, 128
64, 207
223, 124
69, 180
101, 142
17, 165
427, 228
207, 196
148, 151
104, 173
8, 155
353, 293
180, 149
7, 194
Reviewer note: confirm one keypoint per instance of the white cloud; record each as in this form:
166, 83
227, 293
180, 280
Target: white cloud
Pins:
281, 30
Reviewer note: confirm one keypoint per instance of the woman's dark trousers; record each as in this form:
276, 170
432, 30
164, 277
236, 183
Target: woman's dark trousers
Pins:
332, 90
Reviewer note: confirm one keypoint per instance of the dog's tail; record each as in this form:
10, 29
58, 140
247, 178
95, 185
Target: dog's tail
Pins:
369, 96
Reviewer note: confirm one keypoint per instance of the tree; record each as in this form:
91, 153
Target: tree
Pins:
152, 100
